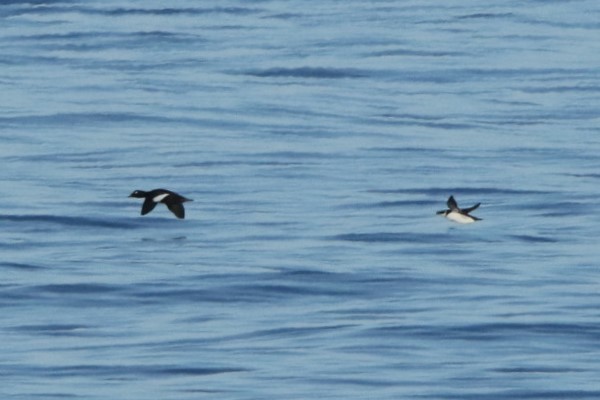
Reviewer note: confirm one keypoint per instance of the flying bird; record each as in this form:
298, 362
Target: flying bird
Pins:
172, 200
457, 214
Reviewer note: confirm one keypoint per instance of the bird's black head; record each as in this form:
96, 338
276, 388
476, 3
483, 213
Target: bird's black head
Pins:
443, 212
138, 193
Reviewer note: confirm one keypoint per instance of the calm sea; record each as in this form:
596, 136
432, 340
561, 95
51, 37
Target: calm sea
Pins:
317, 139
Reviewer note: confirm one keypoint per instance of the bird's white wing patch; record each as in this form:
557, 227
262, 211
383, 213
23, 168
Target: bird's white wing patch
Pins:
160, 197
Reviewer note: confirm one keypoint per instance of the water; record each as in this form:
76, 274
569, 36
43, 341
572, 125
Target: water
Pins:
317, 139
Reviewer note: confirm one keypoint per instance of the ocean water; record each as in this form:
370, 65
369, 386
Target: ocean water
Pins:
317, 139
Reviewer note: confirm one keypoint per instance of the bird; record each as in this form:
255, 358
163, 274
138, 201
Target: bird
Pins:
172, 200
460, 215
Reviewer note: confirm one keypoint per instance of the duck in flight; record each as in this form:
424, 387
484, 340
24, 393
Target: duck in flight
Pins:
172, 200
457, 214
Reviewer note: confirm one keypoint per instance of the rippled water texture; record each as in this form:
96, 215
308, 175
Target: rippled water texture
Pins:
317, 139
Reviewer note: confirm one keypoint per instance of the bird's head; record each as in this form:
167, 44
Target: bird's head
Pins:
138, 194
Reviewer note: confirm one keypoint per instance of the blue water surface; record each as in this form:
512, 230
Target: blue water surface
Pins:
317, 139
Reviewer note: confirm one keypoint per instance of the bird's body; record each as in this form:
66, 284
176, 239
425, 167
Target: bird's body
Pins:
456, 214
172, 200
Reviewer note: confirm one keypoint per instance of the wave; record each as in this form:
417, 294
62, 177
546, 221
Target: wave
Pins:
308, 72
53, 329
69, 221
240, 293
43, 8
96, 40
289, 332
21, 266
175, 11
486, 16
534, 239
394, 204
133, 370
563, 89
492, 331
415, 53
511, 394
77, 288
446, 191
83, 119
393, 237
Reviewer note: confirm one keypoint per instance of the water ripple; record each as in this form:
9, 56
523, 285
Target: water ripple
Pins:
68, 221
308, 72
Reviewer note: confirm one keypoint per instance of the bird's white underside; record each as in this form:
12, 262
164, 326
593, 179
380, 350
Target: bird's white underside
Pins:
460, 218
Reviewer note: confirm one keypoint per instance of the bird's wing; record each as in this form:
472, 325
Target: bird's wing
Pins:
177, 209
468, 210
148, 206
452, 204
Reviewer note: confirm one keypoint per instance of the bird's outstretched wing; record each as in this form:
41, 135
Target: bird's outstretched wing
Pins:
177, 209
452, 204
468, 210
148, 206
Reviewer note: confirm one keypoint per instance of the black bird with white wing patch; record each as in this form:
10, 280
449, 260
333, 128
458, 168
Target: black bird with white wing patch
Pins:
172, 200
